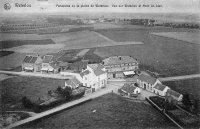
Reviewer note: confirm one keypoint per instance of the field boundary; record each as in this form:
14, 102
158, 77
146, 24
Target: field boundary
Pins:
160, 110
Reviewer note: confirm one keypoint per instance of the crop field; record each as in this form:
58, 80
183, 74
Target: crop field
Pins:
190, 37
16, 43
166, 56
108, 111
13, 89
5, 53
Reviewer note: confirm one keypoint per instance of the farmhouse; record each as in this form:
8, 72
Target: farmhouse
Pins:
147, 82
130, 90
120, 66
73, 83
32, 63
173, 95
160, 89
50, 65
94, 76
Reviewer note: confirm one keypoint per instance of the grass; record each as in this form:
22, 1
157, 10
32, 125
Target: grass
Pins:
13, 89
185, 36
165, 56
112, 111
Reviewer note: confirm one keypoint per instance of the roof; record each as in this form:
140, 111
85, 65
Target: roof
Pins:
30, 59
79, 65
55, 64
86, 72
74, 82
160, 87
146, 78
97, 68
173, 94
47, 58
119, 60
128, 88
63, 64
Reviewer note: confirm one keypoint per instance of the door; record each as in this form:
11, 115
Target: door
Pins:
114, 75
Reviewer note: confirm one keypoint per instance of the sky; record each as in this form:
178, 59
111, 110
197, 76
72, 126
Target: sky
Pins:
51, 6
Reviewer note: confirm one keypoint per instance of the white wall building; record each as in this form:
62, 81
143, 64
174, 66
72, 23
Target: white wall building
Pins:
147, 82
160, 89
94, 76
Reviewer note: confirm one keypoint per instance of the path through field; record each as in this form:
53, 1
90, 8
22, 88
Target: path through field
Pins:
179, 77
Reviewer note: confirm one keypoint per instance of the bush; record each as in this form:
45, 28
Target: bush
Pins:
27, 103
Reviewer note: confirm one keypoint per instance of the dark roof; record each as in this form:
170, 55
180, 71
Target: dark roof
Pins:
160, 87
30, 59
128, 88
119, 60
63, 64
146, 78
78, 66
84, 73
55, 64
97, 68
73, 82
47, 58
173, 94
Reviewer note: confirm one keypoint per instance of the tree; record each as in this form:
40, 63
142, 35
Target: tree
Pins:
27, 103
66, 92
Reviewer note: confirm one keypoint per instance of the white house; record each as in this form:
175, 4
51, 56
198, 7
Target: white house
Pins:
147, 82
160, 89
94, 76
171, 94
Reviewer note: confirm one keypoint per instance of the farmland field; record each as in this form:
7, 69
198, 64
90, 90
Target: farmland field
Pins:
13, 89
108, 111
184, 36
166, 56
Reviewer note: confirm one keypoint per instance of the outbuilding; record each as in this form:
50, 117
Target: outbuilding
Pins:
160, 89
130, 90
32, 63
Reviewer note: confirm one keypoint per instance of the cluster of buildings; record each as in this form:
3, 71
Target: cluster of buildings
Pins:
93, 76
153, 85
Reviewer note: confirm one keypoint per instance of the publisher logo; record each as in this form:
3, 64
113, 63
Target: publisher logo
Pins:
7, 6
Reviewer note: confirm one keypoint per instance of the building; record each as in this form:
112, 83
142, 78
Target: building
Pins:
160, 89
32, 63
120, 66
50, 65
94, 76
73, 83
130, 90
147, 82
173, 95
78, 66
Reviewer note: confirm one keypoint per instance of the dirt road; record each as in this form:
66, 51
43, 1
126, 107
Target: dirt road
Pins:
179, 77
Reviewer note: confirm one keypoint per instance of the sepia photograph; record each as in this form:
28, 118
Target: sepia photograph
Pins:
99, 64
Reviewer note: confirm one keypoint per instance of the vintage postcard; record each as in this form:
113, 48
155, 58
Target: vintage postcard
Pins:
104, 64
